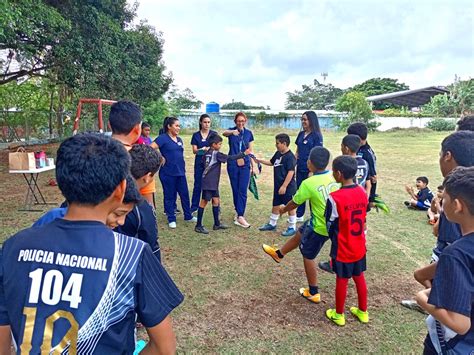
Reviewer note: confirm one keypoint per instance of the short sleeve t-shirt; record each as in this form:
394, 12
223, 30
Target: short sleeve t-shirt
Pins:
212, 168
305, 144
453, 285
316, 189
173, 152
425, 196
362, 172
198, 140
239, 144
88, 281
346, 214
282, 164
367, 153
448, 232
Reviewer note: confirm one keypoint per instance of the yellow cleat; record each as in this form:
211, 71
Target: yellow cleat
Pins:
304, 291
272, 252
337, 318
363, 317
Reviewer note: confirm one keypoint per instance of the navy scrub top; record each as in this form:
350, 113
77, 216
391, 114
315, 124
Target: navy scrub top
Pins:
305, 144
239, 144
198, 140
173, 152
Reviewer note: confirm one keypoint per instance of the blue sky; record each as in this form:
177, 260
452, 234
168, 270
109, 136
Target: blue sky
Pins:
256, 51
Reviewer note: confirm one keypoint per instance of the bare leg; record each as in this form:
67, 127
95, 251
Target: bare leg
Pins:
311, 273
291, 244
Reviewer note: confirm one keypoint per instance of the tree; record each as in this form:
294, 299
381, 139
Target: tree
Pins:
357, 108
312, 97
184, 99
238, 105
378, 86
459, 101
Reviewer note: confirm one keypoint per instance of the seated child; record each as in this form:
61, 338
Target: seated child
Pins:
435, 208
213, 160
422, 199
75, 273
284, 183
346, 217
141, 221
450, 300
312, 235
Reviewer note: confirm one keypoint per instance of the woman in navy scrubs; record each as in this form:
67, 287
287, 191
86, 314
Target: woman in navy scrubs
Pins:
173, 172
240, 139
307, 139
200, 144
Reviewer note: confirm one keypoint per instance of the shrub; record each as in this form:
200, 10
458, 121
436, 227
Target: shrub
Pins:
441, 124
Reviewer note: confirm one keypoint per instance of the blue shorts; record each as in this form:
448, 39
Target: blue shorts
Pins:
279, 200
421, 206
209, 194
311, 242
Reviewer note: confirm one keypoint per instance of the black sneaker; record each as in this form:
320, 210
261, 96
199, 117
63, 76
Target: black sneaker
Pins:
220, 226
177, 211
201, 229
407, 203
325, 266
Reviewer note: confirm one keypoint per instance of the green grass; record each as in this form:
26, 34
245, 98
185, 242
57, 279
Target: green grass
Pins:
239, 301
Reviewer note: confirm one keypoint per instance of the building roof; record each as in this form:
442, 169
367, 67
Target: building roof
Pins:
410, 98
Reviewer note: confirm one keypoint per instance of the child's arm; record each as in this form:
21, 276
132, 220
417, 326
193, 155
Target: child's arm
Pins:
264, 162
455, 321
436, 228
368, 186
5, 340
289, 207
289, 177
409, 189
162, 339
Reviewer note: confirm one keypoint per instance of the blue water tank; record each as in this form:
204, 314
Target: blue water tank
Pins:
212, 107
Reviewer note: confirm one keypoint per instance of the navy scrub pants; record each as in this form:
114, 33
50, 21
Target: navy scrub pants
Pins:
172, 186
239, 181
300, 176
198, 170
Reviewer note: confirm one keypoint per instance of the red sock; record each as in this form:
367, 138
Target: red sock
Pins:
361, 291
341, 292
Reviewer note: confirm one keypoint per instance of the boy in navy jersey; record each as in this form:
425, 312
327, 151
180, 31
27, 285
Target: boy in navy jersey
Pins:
422, 199
82, 284
211, 176
284, 183
345, 215
450, 300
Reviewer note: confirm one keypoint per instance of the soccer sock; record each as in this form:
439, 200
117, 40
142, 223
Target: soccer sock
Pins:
292, 220
200, 214
341, 292
280, 255
313, 290
361, 287
273, 219
215, 212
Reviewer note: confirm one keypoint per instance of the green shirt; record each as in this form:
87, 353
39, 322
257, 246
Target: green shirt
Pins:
316, 189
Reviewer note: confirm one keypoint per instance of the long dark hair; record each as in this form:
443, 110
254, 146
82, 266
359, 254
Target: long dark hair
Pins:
203, 116
313, 121
168, 121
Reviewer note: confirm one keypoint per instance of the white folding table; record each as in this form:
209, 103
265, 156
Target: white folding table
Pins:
33, 194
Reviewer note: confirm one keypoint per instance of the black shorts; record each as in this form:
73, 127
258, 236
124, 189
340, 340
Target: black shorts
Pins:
209, 194
311, 242
281, 199
347, 270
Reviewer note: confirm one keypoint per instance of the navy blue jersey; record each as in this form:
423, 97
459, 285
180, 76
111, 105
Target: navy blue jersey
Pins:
366, 152
50, 216
212, 161
362, 172
198, 140
453, 288
239, 144
448, 232
282, 164
425, 196
141, 223
173, 152
305, 144
78, 286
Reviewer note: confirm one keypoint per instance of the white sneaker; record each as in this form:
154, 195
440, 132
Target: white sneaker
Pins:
172, 225
194, 220
242, 222
299, 219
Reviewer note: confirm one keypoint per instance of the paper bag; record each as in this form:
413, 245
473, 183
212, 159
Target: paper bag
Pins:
21, 160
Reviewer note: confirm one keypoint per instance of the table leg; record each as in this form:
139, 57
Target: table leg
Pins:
31, 195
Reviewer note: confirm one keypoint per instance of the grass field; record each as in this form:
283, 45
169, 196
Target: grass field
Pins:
239, 300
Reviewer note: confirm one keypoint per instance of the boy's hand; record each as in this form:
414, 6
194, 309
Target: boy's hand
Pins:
422, 297
247, 151
408, 189
282, 190
235, 132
